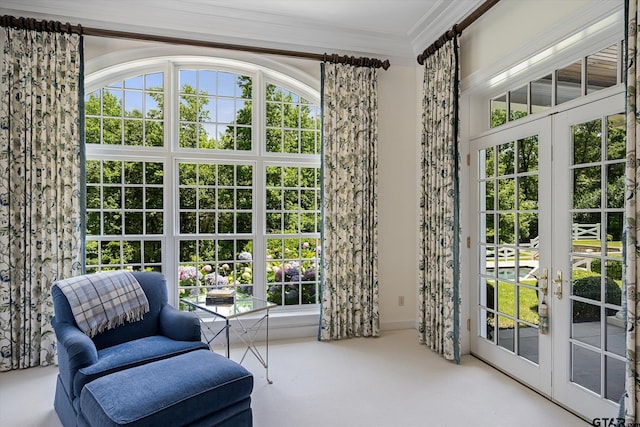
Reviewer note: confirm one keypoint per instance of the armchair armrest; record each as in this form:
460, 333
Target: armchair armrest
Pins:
79, 348
75, 351
179, 325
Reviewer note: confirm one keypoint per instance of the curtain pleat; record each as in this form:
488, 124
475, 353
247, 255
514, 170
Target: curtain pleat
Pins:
350, 205
632, 213
40, 209
438, 296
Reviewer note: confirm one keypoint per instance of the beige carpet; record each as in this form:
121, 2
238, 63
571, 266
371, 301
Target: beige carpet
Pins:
390, 381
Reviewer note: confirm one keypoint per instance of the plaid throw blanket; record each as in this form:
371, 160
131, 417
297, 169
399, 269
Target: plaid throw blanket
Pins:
104, 300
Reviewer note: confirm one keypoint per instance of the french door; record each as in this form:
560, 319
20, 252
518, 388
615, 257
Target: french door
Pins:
548, 276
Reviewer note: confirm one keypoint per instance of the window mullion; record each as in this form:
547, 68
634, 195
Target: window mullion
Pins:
259, 203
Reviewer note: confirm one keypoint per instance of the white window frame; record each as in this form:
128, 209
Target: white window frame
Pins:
170, 154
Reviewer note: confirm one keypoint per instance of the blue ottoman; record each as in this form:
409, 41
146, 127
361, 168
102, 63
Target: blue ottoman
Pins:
199, 388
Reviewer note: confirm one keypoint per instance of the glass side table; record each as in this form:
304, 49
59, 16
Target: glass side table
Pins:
248, 313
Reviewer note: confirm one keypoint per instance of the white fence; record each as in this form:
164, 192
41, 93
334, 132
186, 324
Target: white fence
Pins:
586, 231
579, 232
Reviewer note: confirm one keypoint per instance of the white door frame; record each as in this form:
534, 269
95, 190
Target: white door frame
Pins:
537, 376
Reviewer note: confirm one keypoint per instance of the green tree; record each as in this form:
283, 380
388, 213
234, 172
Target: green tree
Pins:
192, 116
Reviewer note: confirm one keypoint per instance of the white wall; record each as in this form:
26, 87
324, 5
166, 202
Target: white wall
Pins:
397, 196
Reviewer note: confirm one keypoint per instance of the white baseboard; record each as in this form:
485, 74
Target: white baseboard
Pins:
292, 325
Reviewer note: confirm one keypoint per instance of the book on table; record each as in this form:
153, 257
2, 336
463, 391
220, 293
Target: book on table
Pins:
220, 296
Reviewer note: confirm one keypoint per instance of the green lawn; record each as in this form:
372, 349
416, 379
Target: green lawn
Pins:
527, 303
527, 308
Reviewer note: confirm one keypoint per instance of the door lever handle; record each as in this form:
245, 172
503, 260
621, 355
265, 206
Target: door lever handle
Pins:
557, 282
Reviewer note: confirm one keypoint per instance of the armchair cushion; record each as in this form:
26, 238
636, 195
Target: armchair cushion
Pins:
196, 388
131, 354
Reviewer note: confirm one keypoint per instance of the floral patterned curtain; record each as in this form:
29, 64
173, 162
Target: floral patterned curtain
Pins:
632, 215
438, 296
350, 163
40, 237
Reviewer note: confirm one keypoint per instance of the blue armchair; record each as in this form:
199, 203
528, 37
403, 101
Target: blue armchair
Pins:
164, 332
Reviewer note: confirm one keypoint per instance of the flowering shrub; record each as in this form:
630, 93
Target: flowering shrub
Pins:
194, 282
215, 280
292, 273
290, 268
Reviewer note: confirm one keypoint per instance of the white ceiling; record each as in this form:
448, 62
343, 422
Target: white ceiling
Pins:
394, 29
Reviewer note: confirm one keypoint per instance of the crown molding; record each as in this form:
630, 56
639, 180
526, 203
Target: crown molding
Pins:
223, 25
438, 21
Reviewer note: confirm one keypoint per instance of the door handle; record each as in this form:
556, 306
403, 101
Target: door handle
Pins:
557, 282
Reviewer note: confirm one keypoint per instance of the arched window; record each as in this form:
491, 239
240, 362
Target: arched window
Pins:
208, 171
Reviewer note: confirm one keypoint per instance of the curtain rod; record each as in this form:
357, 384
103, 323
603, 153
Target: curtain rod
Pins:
33, 24
456, 30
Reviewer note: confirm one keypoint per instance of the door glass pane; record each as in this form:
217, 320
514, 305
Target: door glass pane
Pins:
528, 300
615, 335
506, 333
616, 137
487, 293
602, 69
487, 196
569, 82
585, 368
528, 342
587, 142
614, 234
614, 386
487, 164
528, 192
615, 185
506, 233
527, 233
489, 231
586, 229
506, 295
505, 159
490, 260
506, 194
587, 187
528, 154
486, 324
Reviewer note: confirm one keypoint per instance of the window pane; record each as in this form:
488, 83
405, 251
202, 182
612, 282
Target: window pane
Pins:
213, 107
569, 83
498, 111
128, 116
541, 91
602, 69
519, 103
293, 126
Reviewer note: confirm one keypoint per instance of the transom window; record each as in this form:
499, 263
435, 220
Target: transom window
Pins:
207, 179
588, 75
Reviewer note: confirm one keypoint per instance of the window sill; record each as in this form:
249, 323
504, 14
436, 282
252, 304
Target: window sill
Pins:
284, 323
